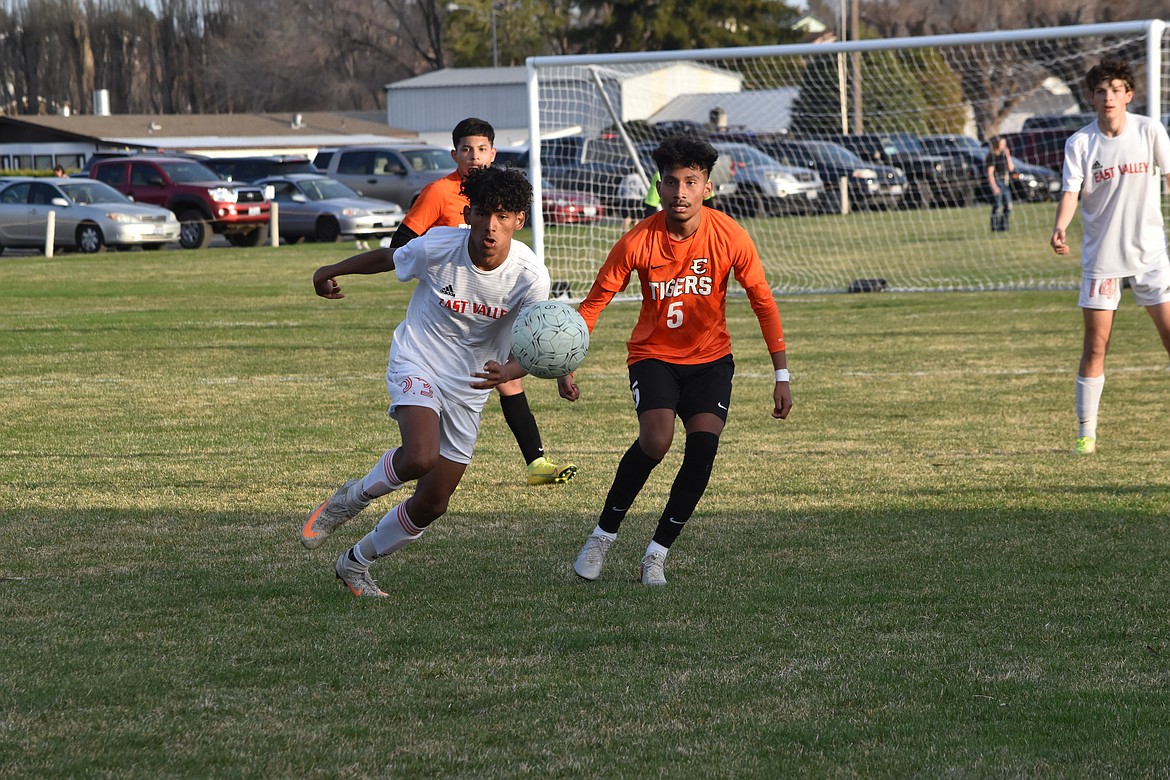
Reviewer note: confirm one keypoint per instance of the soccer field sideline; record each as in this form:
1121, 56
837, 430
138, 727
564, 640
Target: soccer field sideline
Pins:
910, 576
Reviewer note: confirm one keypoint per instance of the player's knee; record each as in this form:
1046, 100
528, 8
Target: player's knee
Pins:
426, 508
655, 443
511, 387
702, 446
416, 461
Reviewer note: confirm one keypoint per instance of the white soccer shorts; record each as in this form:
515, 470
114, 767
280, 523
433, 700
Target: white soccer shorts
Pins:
1149, 289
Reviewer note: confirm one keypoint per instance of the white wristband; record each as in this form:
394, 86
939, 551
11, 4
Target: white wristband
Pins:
782, 375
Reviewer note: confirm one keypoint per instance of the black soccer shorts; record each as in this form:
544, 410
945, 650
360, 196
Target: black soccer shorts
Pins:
685, 389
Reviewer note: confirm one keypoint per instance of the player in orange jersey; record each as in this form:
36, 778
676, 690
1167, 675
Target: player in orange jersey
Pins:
441, 204
680, 360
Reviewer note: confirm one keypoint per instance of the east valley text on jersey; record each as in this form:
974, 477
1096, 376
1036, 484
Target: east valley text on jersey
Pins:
684, 289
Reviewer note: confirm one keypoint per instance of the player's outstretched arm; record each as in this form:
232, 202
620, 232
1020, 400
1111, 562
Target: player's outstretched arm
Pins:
376, 261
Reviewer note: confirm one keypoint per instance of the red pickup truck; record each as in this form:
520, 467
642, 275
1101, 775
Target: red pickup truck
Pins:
202, 202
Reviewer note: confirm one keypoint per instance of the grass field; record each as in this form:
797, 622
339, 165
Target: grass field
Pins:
911, 577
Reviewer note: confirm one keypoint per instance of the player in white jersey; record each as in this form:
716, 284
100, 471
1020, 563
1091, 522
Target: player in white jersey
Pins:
448, 353
1115, 167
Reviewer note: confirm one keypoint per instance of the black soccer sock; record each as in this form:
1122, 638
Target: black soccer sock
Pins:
523, 424
632, 473
689, 485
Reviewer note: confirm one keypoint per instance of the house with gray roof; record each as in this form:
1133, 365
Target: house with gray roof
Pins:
40, 142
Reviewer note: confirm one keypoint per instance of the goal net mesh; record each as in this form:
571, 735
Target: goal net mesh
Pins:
836, 241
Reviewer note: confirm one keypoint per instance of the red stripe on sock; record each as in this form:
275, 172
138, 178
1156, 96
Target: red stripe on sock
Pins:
404, 521
388, 467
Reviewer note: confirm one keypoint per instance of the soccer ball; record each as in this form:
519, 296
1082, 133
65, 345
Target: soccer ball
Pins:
549, 339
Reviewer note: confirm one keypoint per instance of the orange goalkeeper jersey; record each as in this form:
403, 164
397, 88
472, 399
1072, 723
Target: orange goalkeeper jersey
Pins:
440, 204
684, 289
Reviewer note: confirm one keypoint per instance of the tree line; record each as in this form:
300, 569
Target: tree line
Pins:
221, 56
225, 56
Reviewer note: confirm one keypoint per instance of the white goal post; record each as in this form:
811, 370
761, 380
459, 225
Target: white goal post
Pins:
597, 116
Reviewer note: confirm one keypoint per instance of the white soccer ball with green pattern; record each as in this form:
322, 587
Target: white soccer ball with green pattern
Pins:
549, 339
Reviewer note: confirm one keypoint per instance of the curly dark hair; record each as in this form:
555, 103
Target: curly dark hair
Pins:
685, 151
469, 127
1110, 70
498, 189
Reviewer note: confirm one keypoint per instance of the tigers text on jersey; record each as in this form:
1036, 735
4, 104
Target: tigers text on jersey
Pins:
440, 204
459, 316
1120, 187
684, 288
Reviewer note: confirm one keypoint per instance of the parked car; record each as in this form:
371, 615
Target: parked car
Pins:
317, 207
870, 185
933, 179
201, 200
322, 158
94, 158
1058, 121
611, 156
89, 216
563, 171
1040, 147
1029, 182
393, 173
562, 207
251, 169
765, 187
559, 207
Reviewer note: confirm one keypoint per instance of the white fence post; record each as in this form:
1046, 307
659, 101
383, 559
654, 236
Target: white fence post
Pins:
274, 224
50, 232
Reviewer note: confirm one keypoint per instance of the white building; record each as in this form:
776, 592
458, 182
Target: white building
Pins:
432, 104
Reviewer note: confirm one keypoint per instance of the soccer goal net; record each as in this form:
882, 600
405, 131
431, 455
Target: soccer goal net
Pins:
854, 165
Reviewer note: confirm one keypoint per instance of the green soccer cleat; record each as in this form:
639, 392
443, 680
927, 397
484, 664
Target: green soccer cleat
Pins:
328, 517
357, 578
1086, 445
543, 471
653, 569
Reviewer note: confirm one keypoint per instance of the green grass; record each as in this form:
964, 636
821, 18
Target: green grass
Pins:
911, 577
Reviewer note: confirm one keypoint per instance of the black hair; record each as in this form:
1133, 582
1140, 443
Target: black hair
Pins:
1109, 70
685, 151
498, 189
469, 127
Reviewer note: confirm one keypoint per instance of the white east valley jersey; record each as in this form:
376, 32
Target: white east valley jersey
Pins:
1120, 181
459, 317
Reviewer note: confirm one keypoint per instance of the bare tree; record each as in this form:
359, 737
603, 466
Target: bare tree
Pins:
995, 81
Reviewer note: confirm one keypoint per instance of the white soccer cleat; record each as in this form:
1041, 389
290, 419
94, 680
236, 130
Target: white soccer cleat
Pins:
653, 569
357, 578
592, 557
344, 504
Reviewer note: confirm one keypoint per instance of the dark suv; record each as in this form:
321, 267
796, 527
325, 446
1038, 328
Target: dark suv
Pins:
203, 202
933, 179
871, 186
249, 169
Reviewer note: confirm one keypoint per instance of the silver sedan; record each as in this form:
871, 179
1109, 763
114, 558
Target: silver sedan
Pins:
89, 216
320, 208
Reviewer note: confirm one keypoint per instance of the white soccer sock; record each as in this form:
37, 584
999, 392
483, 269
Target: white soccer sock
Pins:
1088, 401
382, 479
598, 532
393, 532
655, 547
